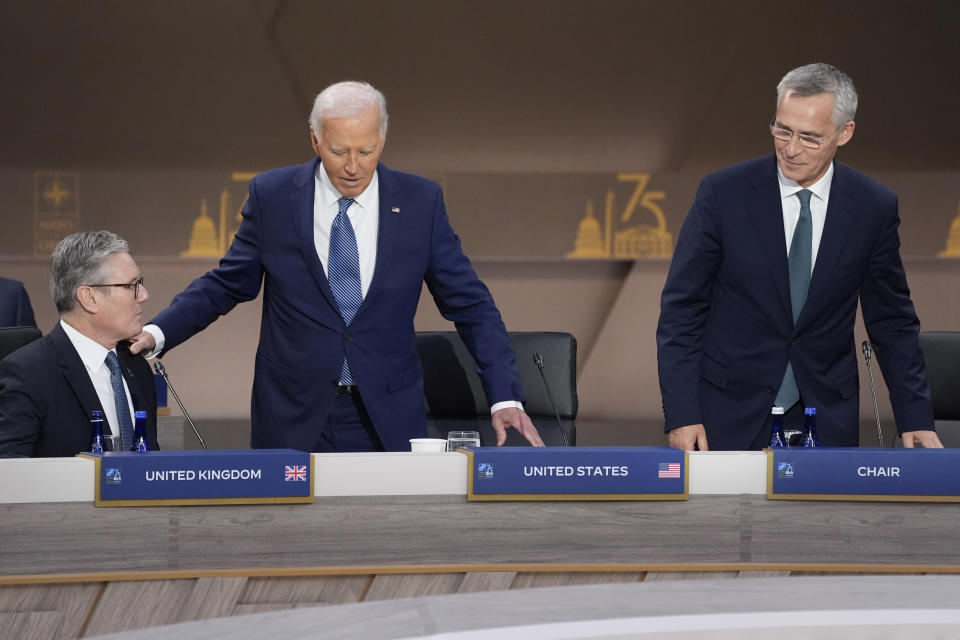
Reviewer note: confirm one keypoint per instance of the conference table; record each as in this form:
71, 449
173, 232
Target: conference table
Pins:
388, 525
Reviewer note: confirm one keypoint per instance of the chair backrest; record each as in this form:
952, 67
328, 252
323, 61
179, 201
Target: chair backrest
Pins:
12, 338
941, 353
454, 394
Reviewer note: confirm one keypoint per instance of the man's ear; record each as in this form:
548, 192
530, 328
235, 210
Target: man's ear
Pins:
846, 133
88, 299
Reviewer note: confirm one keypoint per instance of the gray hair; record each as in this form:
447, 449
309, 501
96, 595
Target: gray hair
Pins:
78, 260
345, 99
819, 77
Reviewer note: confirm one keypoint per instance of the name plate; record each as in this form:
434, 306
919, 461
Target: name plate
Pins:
577, 473
203, 477
863, 474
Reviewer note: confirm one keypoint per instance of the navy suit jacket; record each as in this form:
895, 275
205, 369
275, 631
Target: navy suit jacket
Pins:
303, 339
46, 398
15, 309
726, 326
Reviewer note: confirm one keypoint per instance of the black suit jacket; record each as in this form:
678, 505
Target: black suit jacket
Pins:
726, 325
15, 309
46, 398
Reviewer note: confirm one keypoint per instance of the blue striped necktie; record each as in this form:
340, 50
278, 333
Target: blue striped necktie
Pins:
798, 263
120, 399
344, 273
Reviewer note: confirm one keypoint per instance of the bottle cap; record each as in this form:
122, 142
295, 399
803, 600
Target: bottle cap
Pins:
96, 415
810, 411
777, 411
140, 414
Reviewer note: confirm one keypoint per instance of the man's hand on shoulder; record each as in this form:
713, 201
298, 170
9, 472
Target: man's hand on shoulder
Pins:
925, 438
144, 342
519, 420
688, 437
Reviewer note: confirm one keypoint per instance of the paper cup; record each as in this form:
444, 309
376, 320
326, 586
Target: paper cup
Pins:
427, 444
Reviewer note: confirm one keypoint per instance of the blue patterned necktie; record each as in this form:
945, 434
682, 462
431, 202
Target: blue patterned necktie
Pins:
120, 398
344, 273
798, 262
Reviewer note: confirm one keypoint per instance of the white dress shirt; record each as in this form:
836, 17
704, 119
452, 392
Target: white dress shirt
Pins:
94, 356
818, 208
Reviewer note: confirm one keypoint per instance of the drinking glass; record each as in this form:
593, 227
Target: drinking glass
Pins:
462, 440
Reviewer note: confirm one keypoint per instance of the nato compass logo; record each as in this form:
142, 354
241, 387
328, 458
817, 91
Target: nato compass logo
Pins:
112, 476
484, 470
784, 470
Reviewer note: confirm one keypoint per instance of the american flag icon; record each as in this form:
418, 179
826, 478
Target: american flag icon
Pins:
668, 470
296, 473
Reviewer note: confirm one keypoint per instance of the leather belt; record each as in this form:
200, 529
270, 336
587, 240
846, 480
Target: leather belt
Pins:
345, 389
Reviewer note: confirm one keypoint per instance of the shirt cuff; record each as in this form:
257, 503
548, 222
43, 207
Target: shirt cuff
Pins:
506, 404
157, 334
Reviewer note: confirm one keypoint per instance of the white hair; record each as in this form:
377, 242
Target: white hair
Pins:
345, 99
817, 78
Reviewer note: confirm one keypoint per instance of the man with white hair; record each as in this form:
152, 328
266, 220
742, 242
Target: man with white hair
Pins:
343, 245
759, 305
49, 388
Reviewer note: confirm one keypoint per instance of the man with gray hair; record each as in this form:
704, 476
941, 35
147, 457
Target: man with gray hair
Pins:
760, 301
343, 246
49, 388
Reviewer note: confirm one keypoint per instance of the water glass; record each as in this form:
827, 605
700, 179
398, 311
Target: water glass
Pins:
462, 440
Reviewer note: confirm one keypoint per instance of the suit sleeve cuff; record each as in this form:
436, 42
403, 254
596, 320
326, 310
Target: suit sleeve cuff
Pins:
157, 334
506, 404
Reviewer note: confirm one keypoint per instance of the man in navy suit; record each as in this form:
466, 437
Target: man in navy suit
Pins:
49, 388
759, 304
15, 309
343, 246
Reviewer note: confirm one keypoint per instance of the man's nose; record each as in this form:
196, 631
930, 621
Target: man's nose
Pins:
793, 145
353, 163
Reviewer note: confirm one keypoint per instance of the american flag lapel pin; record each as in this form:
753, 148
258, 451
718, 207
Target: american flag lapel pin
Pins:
395, 209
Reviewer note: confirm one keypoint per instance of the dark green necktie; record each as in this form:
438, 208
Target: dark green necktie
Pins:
798, 263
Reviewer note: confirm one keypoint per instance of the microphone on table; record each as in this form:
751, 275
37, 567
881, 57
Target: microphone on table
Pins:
538, 360
868, 356
159, 368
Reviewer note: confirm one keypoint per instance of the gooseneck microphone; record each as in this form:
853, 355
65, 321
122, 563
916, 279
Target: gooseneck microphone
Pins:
159, 368
538, 360
868, 356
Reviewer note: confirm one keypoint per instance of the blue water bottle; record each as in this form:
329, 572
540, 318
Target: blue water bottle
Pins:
140, 432
777, 441
810, 438
96, 428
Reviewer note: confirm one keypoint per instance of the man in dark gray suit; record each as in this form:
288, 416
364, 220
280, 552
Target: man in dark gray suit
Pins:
49, 388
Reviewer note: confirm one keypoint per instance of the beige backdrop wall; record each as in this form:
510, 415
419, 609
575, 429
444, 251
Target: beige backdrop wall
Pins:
534, 116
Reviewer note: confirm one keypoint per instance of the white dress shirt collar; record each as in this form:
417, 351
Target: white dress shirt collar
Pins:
92, 353
820, 188
330, 197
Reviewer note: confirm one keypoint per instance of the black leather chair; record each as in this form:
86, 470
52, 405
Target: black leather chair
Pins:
12, 338
941, 353
455, 399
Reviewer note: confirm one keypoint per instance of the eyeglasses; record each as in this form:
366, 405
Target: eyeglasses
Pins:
136, 286
806, 140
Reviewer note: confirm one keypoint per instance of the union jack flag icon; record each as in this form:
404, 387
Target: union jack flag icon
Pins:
295, 473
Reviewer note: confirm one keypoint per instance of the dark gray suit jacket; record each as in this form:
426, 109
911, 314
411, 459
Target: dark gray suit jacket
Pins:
46, 398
